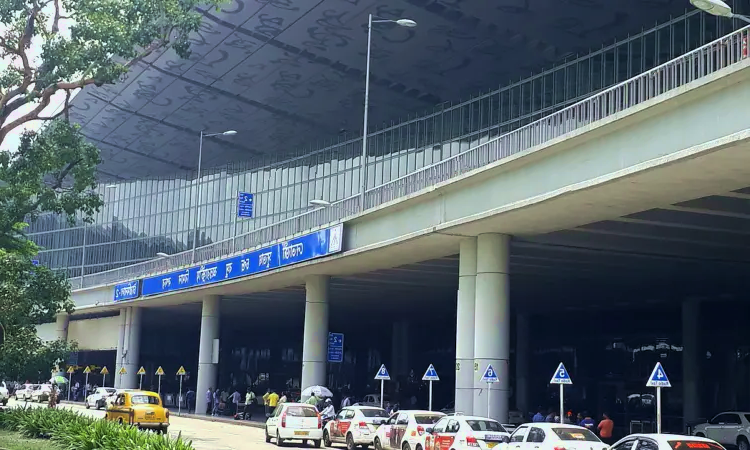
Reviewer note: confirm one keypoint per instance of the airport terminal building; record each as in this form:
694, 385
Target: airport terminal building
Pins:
542, 182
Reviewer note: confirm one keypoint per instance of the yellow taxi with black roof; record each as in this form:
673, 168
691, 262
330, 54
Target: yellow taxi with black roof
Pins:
142, 409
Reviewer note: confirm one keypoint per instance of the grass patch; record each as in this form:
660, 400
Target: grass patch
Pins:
13, 441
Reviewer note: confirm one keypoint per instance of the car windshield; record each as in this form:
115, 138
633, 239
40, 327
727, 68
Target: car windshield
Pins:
575, 434
144, 400
301, 411
374, 413
486, 425
425, 419
694, 445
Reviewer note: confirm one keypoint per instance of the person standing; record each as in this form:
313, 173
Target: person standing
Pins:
52, 397
265, 402
209, 401
538, 417
283, 398
236, 401
606, 426
587, 422
273, 401
190, 400
249, 401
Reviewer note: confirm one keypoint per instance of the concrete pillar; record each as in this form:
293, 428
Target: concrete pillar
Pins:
690, 360
523, 357
467, 276
207, 370
131, 354
62, 321
400, 350
120, 345
315, 341
492, 325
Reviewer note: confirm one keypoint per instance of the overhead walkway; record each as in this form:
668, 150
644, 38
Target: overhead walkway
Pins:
659, 118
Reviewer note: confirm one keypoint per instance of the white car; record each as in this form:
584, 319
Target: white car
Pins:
3, 393
24, 392
42, 394
295, 421
98, 399
665, 442
459, 432
551, 436
109, 401
354, 425
728, 428
405, 430
372, 400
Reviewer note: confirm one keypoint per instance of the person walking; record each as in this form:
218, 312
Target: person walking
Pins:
190, 400
249, 401
273, 401
236, 401
52, 397
265, 402
209, 401
606, 426
216, 402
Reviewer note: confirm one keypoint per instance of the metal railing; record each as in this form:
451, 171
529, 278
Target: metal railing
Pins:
703, 61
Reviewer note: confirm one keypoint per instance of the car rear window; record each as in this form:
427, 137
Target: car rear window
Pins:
425, 419
486, 425
302, 411
144, 400
575, 434
374, 413
694, 445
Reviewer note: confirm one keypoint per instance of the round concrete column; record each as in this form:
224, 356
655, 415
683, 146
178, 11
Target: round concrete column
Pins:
492, 325
522, 363
207, 370
315, 343
62, 321
132, 349
467, 276
120, 345
690, 360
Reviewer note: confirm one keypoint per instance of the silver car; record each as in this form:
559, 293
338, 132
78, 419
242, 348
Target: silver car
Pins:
728, 429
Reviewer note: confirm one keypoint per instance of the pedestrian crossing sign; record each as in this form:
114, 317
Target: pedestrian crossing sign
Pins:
658, 377
123, 371
159, 371
141, 371
561, 376
431, 374
87, 370
181, 371
382, 374
490, 375
104, 371
71, 369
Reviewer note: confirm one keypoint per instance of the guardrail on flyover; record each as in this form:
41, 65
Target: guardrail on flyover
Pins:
703, 61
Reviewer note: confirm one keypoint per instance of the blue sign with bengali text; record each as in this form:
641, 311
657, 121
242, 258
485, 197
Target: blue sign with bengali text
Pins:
244, 204
35, 262
335, 347
310, 246
127, 291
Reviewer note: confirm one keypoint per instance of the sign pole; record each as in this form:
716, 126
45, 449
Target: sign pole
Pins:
430, 375
140, 383
658, 380
84, 386
561, 377
658, 410
489, 390
562, 403
382, 375
104, 380
70, 382
489, 377
179, 399
430, 408
159, 391
382, 391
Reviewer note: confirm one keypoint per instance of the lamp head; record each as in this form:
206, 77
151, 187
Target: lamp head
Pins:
229, 133
320, 203
163, 255
408, 23
715, 7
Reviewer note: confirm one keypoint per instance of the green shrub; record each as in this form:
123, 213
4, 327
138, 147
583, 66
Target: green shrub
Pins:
77, 432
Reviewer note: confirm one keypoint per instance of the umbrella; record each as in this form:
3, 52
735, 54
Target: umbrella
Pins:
57, 379
318, 391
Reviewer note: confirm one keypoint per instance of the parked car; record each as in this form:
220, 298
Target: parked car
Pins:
405, 430
458, 432
24, 392
665, 442
728, 428
142, 409
4, 393
98, 399
295, 421
41, 395
353, 426
551, 436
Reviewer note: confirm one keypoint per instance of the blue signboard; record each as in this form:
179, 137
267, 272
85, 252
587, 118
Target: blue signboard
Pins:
310, 246
244, 204
127, 291
35, 262
335, 347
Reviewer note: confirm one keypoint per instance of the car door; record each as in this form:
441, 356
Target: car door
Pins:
731, 429
334, 427
445, 441
385, 431
535, 438
344, 424
273, 421
398, 430
716, 426
518, 437
432, 442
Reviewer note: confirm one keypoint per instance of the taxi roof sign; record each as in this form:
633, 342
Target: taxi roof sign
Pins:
141, 371
181, 371
71, 369
104, 371
87, 370
431, 374
561, 376
159, 371
123, 371
658, 377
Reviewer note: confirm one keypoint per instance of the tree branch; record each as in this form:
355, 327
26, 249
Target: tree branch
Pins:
56, 20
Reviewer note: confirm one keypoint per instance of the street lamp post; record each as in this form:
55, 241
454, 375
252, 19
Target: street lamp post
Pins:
718, 8
408, 23
196, 219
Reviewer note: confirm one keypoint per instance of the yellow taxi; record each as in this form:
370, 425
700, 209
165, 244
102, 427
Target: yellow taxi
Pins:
142, 409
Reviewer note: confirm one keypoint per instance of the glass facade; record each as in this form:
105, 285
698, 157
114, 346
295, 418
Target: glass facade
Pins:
143, 217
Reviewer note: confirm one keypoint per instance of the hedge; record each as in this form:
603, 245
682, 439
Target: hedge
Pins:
74, 431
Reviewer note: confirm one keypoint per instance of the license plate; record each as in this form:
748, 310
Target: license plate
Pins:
301, 433
150, 413
491, 444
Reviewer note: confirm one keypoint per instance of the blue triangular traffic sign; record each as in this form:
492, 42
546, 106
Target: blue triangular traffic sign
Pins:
382, 374
658, 377
561, 376
431, 374
490, 375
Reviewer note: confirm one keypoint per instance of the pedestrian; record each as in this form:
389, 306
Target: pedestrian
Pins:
52, 396
538, 417
190, 399
76, 388
209, 401
249, 401
283, 398
587, 422
314, 400
550, 416
605, 428
236, 401
346, 401
265, 402
216, 402
273, 401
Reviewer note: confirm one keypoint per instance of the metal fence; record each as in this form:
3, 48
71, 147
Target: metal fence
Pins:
703, 61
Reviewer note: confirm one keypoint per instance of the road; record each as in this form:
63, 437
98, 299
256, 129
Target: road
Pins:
204, 434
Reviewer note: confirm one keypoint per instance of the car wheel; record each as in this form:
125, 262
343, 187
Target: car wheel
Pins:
268, 438
326, 438
406, 446
350, 442
86, 404
419, 447
316, 443
279, 441
742, 443
120, 421
377, 444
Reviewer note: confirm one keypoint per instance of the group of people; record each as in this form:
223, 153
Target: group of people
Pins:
603, 429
